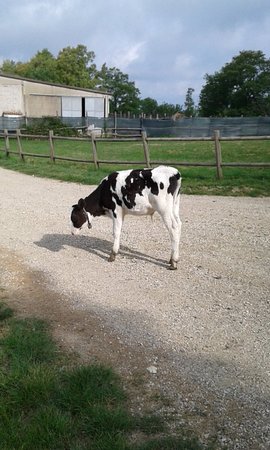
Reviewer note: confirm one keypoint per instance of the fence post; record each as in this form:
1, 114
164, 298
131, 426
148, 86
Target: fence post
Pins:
94, 149
218, 154
18, 134
52, 157
146, 149
115, 124
6, 142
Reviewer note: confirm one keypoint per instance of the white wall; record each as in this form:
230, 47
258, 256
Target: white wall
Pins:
11, 99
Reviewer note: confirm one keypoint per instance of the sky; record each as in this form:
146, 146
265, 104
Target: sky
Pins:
165, 46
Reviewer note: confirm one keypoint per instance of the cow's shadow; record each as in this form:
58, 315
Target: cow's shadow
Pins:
99, 247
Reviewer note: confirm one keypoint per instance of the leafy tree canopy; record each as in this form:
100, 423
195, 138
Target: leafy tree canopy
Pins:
168, 109
124, 92
41, 67
241, 87
73, 66
149, 106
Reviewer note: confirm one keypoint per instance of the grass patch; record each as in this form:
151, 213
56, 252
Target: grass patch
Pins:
50, 402
5, 312
196, 180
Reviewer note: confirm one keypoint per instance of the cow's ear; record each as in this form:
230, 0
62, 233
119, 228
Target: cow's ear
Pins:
81, 203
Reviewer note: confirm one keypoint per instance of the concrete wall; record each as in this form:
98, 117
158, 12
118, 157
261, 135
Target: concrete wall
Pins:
11, 97
42, 105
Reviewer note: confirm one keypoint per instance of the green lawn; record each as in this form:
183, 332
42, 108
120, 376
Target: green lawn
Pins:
196, 180
49, 401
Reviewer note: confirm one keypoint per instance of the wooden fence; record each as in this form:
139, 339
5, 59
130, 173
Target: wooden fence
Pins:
93, 141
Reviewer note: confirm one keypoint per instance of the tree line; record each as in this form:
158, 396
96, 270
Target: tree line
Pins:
240, 88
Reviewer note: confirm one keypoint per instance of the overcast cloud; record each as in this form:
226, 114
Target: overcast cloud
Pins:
164, 46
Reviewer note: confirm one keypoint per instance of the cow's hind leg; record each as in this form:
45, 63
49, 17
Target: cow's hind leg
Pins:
173, 225
112, 256
177, 226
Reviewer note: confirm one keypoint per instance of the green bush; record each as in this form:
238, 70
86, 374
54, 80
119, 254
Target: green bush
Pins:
44, 125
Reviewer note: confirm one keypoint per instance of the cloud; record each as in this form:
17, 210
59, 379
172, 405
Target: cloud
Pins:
127, 55
165, 47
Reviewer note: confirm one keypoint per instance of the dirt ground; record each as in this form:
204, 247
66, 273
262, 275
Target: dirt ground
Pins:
193, 343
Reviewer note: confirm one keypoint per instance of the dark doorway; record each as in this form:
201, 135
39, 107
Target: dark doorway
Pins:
83, 107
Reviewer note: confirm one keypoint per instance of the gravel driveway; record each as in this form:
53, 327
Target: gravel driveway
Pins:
205, 327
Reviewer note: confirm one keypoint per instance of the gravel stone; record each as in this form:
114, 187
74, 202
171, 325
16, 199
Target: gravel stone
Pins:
207, 324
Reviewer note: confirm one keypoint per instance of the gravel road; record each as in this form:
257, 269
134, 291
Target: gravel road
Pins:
204, 327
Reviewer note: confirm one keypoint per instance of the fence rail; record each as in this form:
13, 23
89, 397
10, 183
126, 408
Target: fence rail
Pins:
94, 140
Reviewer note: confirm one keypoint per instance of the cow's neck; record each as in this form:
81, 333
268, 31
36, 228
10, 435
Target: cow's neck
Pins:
92, 204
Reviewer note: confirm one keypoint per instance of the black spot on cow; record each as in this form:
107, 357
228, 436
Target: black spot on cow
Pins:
92, 202
161, 185
117, 199
112, 178
134, 185
101, 198
150, 183
106, 195
173, 183
111, 183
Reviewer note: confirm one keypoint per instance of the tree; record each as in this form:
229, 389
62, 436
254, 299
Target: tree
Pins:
14, 68
9, 66
41, 67
125, 95
241, 87
75, 67
189, 106
168, 109
149, 106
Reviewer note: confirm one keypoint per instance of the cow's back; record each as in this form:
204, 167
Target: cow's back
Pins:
145, 191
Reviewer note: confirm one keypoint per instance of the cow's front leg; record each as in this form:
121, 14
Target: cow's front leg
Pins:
112, 256
117, 227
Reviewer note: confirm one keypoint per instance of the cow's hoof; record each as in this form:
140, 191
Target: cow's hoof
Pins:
112, 257
173, 265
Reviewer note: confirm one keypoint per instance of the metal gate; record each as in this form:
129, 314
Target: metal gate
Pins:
94, 107
71, 107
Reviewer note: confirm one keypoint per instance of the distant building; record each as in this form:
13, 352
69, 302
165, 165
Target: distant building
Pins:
23, 97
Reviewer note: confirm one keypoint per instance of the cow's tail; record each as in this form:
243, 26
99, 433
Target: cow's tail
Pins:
178, 179
176, 194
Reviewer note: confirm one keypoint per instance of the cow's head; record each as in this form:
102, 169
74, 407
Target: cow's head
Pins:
79, 216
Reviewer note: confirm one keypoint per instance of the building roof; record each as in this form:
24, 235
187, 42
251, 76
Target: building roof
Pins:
16, 77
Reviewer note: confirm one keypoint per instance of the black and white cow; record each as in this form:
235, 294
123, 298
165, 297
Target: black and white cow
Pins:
137, 192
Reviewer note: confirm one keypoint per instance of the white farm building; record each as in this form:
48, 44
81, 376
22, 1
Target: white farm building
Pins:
23, 97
